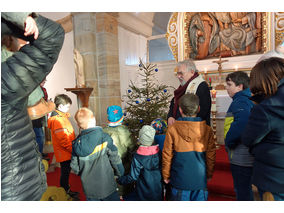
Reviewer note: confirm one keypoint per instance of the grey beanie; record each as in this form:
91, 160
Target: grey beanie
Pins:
146, 135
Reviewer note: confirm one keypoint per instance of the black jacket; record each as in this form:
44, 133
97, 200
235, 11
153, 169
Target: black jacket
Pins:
95, 158
22, 172
203, 93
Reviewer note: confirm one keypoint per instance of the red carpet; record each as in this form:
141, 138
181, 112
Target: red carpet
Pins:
74, 180
220, 188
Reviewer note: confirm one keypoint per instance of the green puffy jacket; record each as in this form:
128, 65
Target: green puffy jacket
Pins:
121, 137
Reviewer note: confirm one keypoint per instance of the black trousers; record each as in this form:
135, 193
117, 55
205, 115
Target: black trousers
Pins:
65, 172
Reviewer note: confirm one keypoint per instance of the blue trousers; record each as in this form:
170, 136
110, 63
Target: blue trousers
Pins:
242, 177
112, 197
188, 195
39, 138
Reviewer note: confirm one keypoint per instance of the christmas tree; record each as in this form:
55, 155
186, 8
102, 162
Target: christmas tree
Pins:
147, 102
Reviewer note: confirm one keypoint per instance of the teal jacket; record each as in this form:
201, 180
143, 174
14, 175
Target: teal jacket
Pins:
146, 172
236, 119
95, 159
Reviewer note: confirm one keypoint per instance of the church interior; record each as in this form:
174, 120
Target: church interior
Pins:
101, 52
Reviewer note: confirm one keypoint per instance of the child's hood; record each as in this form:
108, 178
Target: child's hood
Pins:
55, 115
191, 131
86, 142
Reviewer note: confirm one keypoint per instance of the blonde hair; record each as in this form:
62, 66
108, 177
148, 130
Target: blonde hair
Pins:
83, 116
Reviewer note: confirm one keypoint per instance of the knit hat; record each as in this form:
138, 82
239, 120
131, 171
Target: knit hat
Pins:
146, 135
160, 125
114, 115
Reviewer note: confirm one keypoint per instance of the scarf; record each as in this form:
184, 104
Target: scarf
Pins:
180, 92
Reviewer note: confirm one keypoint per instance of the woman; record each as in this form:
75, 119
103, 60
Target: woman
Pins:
264, 133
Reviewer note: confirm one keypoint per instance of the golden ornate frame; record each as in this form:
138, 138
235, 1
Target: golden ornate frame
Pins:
177, 33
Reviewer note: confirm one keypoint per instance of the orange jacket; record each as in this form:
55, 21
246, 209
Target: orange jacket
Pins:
62, 134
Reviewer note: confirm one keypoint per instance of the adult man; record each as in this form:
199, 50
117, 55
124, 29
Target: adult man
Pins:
190, 82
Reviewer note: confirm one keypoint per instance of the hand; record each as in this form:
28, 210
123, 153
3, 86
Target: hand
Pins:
31, 27
171, 120
166, 181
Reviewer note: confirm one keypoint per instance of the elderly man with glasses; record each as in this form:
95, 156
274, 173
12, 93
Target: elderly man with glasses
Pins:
190, 82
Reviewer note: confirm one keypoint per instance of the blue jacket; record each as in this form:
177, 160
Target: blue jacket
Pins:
160, 139
146, 171
95, 158
264, 135
235, 122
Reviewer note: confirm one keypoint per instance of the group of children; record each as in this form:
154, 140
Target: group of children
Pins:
171, 163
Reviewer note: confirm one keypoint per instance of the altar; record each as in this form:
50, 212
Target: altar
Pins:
223, 101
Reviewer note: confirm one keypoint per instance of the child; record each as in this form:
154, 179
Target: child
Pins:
236, 119
145, 168
95, 159
160, 126
62, 134
188, 153
121, 137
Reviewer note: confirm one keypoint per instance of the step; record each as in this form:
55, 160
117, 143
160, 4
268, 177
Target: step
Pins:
222, 165
220, 197
221, 183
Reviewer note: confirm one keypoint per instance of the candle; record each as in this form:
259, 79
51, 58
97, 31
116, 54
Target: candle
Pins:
213, 93
205, 70
213, 107
236, 67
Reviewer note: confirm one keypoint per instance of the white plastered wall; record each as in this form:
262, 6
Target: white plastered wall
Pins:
63, 73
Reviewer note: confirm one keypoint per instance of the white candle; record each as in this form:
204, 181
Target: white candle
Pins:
213, 107
236, 67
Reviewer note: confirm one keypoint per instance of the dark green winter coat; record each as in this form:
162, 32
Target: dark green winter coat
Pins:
22, 171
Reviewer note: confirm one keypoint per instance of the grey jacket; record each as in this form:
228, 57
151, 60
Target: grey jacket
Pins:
22, 171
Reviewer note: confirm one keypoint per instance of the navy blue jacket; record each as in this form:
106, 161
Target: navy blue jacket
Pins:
146, 171
236, 119
264, 134
95, 158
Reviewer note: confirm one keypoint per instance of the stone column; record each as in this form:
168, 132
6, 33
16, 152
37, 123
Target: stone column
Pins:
96, 38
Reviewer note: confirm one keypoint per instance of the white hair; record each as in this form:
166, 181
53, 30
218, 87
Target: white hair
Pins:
279, 53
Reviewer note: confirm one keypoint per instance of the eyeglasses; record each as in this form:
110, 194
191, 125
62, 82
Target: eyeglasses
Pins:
180, 73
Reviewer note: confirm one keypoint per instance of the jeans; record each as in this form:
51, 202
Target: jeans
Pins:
65, 172
188, 195
112, 197
242, 177
39, 138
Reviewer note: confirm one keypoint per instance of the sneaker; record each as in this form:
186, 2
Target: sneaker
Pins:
73, 194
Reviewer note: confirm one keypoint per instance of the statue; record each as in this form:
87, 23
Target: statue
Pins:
79, 69
213, 34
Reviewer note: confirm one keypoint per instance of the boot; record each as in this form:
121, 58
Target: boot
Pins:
41, 109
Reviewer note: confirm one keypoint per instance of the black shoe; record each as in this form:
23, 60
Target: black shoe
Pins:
44, 155
73, 194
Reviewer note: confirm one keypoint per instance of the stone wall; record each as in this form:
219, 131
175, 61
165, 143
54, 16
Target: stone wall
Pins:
96, 38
